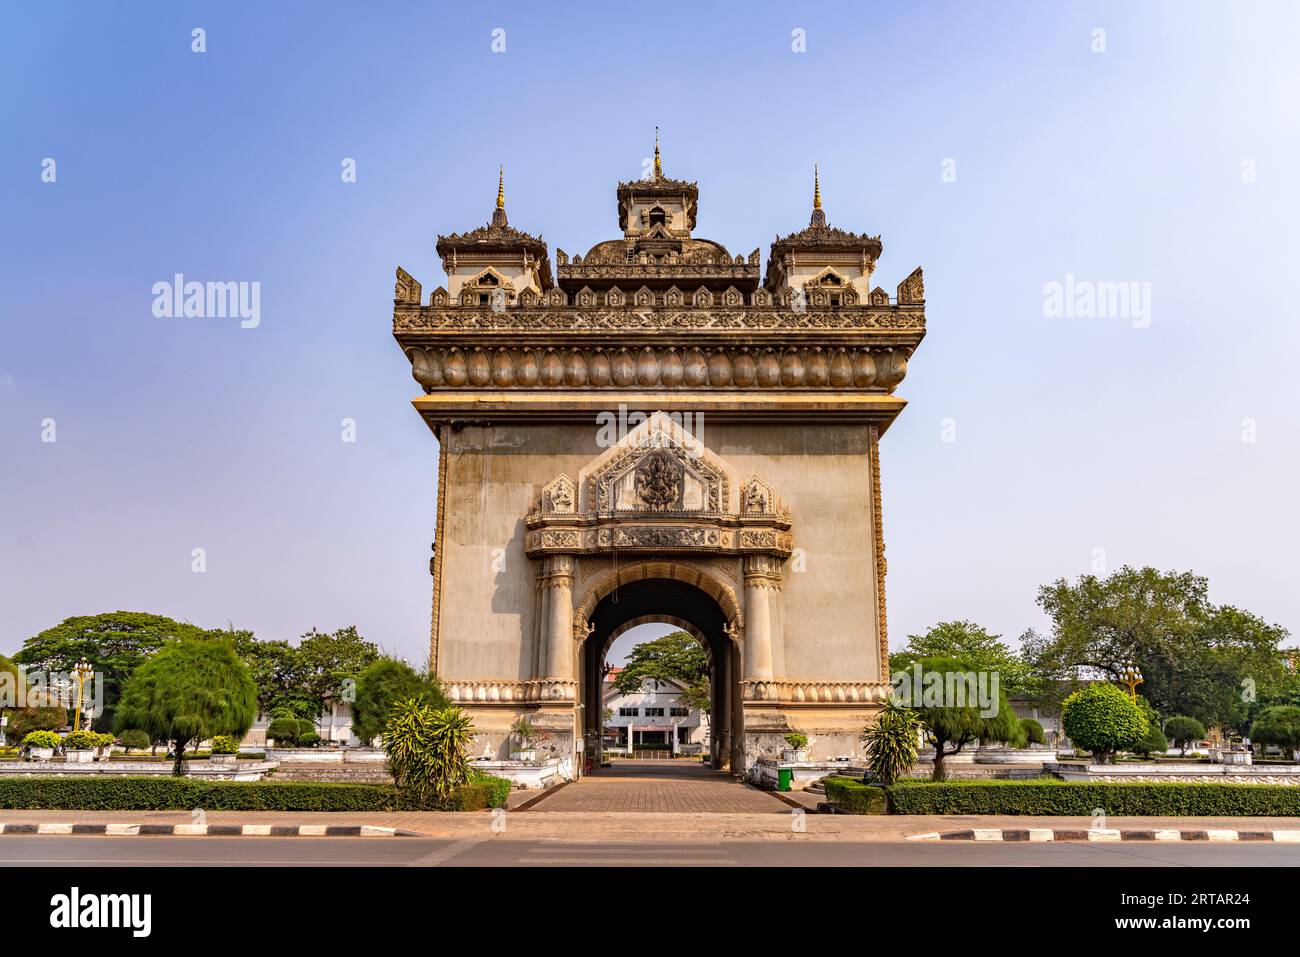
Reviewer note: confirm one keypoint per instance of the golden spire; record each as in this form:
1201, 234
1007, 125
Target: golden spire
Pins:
501, 188
659, 169
817, 189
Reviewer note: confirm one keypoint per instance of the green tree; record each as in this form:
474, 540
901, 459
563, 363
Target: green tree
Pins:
115, 644
190, 690
277, 671
892, 742
328, 663
428, 750
1102, 719
675, 657
1153, 741
949, 706
1183, 731
381, 685
1197, 658
1278, 726
966, 641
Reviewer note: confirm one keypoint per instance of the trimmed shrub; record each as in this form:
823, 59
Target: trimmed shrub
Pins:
81, 740
136, 740
41, 739
1103, 719
1182, 731
1050, 797
283, 731
853, 796
309, 740
1153, 742
225, 744
306, 727
1032, 731
498, 789
171, 794
1279, 726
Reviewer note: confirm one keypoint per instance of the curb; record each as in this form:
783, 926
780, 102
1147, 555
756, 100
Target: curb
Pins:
1044, 835
211, 830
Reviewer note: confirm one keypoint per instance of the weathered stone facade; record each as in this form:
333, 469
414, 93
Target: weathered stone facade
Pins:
659, 435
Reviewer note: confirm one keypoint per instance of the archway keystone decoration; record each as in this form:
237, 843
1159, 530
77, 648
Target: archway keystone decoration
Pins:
739, 497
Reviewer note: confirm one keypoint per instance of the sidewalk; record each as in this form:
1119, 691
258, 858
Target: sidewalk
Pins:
648, 827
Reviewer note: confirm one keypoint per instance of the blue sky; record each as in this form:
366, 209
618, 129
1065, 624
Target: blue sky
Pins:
1072, 435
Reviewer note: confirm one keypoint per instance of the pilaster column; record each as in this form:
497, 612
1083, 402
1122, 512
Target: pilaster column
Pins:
762, 576
557, 579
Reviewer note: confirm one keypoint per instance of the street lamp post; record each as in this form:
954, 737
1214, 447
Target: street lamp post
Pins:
1131, 675
82, 670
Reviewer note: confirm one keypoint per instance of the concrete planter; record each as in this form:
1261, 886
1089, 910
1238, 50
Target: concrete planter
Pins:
795, 755
106, 752
766, 772
40, 754
529, 756
1288, 774
223, 758
305, 755
79, 755
529, 775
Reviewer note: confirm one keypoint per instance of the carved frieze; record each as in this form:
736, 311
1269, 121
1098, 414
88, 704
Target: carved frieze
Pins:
817, 367
635, 316
503, 691
814, 692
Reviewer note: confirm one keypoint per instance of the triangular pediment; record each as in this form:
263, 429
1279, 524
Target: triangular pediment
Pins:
656, 465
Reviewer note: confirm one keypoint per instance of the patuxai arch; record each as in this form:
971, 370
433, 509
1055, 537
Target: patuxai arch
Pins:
661, 431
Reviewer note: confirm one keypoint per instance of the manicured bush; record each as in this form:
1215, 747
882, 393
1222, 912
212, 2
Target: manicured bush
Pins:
380, 686
225, 744
41, 739
1279, 726
1153, 742
81, 740
135, 740
853, 796
1103, 719
498, 789
1182, 731
1051, 797
306, 727
1032, 731
171, 793
309, 740
283, 731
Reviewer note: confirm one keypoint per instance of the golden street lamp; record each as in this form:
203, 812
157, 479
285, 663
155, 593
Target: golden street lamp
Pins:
82, 670
1131, 675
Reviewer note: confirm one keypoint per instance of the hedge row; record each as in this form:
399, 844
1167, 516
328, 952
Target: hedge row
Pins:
173, 794
851, 795
1048, 797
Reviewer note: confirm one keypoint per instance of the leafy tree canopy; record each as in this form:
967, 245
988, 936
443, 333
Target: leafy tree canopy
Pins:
383, 684
190, 690
328, 663
115, 644
966, 641
674, 657
1199, 659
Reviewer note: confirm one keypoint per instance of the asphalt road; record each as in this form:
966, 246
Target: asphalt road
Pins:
420, 852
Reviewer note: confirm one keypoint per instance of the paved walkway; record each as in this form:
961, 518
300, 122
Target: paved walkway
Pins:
659, 787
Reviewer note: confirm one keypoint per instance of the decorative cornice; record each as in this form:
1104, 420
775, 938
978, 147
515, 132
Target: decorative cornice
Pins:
812, 691
632, 317
683, 533
487, 691
688, 369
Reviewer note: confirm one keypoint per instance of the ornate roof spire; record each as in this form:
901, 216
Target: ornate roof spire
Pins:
499, 214
659, 169
818, 216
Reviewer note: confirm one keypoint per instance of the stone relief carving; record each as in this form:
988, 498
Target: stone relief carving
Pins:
659, 481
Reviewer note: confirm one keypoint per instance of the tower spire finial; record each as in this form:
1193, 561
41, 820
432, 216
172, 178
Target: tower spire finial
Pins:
499, 214
659, 169
818, 216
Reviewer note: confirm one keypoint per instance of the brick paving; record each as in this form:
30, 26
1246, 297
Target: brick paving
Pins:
660, 787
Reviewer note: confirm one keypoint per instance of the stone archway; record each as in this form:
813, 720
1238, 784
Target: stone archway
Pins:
680, 593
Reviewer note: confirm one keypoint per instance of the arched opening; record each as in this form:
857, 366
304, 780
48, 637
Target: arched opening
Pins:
688, 607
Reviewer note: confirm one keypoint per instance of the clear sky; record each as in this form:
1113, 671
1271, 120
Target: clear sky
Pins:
1167, 159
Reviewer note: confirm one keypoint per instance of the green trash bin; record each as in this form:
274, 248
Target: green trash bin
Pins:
783, 778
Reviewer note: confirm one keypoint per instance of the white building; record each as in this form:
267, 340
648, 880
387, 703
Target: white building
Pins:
655, 715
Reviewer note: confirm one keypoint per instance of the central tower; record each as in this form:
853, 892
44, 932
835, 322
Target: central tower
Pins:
661, 432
